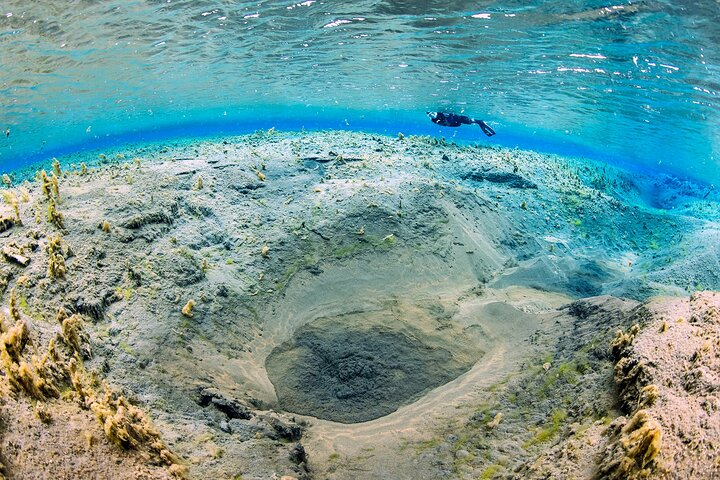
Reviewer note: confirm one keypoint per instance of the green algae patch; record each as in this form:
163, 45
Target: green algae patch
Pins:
550, 430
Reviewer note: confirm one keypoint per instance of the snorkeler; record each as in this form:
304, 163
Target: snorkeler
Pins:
453, 120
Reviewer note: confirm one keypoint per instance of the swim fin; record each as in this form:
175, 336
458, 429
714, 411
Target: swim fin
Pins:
485, 128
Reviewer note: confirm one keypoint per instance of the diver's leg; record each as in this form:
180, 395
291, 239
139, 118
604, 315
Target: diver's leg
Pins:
464, 120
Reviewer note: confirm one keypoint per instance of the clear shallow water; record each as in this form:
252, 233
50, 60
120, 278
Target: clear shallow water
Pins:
633, 82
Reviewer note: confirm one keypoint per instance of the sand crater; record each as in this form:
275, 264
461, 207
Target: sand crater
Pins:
360, 366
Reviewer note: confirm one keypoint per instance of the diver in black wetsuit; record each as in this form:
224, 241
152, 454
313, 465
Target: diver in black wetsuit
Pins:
453, 120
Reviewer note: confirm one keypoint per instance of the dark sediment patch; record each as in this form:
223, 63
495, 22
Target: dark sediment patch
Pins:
350, 373
512, 180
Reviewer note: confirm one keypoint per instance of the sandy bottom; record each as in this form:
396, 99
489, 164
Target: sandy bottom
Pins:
340, 305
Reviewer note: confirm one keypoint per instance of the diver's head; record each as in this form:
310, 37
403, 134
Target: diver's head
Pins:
432, 115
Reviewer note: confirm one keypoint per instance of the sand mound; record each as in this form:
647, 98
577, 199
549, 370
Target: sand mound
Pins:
669, 379
67, 444
667, 371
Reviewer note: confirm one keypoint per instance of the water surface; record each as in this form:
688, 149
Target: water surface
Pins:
633, 82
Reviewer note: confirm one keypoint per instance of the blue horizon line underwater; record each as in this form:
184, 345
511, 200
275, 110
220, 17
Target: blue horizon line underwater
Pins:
510, 136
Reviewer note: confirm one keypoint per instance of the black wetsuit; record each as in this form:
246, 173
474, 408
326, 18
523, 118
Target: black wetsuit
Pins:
453, 120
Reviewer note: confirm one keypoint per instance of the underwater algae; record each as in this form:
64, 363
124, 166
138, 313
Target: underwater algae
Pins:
400, 293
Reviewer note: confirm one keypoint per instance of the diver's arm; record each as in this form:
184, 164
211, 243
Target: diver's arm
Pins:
439, 118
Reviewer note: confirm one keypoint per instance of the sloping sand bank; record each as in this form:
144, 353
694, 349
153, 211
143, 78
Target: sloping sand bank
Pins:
334, 305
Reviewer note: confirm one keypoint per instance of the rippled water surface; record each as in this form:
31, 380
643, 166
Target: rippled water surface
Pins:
631, 81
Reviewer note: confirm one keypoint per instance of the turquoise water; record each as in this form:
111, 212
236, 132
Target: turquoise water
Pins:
628, 82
